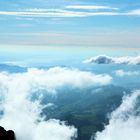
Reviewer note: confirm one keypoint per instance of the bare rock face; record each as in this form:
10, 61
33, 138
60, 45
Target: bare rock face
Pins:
6, 135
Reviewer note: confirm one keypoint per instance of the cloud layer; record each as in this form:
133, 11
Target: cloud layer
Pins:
90, 7
22, 114
72, 11
122, 73
103, 59
56, 13
124, 121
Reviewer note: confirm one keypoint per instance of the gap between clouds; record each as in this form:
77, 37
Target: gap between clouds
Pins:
124, 121
22, 114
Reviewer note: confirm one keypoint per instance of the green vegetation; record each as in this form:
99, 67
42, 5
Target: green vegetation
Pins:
87, 110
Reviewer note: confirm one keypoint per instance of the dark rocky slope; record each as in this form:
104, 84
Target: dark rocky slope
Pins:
6, 135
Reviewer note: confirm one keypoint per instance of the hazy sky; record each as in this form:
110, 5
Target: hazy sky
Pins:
95, 23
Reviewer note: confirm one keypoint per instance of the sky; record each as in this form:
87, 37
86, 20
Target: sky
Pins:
74, 23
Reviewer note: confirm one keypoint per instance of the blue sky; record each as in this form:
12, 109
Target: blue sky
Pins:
74, 23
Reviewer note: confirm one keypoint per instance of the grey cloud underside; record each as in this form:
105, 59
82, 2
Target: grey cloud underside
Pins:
103, 59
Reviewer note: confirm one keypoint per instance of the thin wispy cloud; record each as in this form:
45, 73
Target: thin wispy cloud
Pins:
56, 13
135, 12
90, 7
37, 12
70, 16
43, 14
56, 38
122, 73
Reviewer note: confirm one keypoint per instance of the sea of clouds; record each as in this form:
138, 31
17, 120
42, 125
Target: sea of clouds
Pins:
104, 59
22, 114
124, 121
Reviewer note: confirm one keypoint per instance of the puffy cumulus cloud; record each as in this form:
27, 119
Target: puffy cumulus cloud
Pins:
62, 132
103, 59
56, 77
51, 129
124, 121
122, 73
22, 114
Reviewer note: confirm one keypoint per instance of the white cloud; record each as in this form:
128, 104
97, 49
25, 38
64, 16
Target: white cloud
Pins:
122, 73
39, 12
61, 131
58, 77
22, 114
90, 7
103, 59
135, 12
124, 121
55, 13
